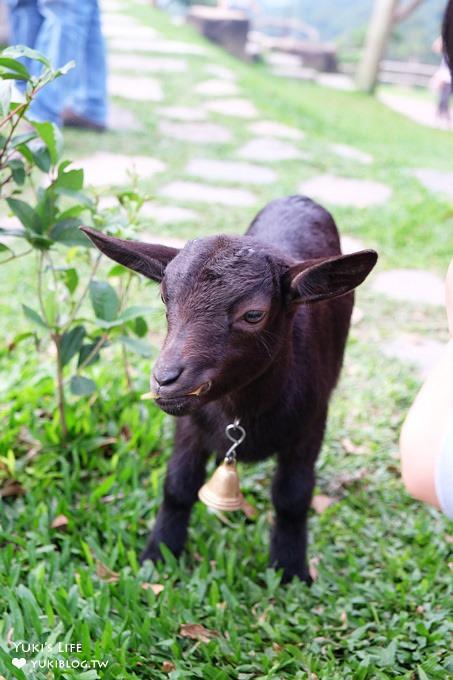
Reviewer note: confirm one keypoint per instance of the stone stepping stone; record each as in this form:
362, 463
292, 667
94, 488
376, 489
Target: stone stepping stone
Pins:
424, 353
129, 31
269, 128
135, 62
351, 244
182, 113
122, 119
436, 180
217, 88
346, 191
219, 71
162, 46
236, 108
351, 152
230, 171
268, 149
138, 88
168, 214
195, 133
201, 193
411, 285
104, 168
146, 237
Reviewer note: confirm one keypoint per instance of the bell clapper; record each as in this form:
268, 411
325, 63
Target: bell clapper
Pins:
222, 491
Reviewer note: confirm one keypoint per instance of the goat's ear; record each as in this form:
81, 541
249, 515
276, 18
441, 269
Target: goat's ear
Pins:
146, 258
316, 280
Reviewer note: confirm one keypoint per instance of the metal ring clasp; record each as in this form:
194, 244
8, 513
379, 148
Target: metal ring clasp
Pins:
237, 439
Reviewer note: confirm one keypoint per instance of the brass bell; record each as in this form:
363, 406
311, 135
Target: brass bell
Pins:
222, 491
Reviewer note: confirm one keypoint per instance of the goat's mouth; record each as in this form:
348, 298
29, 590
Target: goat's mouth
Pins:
169, 397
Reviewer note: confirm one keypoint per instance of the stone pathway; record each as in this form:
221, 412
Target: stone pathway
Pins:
347, 151
411, 285
237, 108
217, 88
137, 62
269, 149
423, 353
183, 113
436, 180
269, 128
418, 110
193, 192
122, 119
104, 168
219, 71
196, 133
138, 88
162, 46
231, 171
168, 214
360, 193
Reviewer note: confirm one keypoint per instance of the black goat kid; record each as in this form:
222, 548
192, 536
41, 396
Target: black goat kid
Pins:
257, 326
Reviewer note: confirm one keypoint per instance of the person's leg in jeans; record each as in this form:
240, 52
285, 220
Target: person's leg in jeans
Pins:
62, 38
25, 21
90, 99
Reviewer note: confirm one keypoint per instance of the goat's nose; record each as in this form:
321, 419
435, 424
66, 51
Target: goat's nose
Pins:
167, 374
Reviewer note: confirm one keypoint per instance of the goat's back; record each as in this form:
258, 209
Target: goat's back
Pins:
297, 226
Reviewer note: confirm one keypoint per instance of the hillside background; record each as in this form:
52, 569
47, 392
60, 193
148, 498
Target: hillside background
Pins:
345, 22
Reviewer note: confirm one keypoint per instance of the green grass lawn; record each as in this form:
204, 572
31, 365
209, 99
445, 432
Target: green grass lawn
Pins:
380, 606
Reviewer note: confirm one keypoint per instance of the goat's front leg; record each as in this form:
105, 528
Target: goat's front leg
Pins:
185, 475
292, 490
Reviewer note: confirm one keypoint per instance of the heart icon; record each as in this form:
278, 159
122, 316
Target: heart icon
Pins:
19, 663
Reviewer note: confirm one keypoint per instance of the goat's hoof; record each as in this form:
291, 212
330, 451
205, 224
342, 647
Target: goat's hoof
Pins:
302, 575
151, 552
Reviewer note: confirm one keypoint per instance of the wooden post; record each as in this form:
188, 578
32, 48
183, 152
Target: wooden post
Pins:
378, 34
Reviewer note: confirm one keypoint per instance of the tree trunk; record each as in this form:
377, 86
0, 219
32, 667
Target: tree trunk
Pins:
378, 34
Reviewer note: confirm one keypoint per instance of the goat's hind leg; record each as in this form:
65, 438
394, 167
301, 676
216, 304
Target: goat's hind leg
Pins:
185, 475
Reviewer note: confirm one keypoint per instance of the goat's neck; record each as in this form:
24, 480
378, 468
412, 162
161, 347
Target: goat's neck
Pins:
267, 390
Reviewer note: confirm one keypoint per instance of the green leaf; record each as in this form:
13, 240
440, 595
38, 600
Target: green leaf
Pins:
135, 311
17, 170
26, 214
5, 98
68, 232
52, 138
104, 299
23, 51
71, 279
81, 387
73, 179
137, 346
70, 343
23, 138
16, 67
41, 158
34, 316
140, 327
86, 351
118, 270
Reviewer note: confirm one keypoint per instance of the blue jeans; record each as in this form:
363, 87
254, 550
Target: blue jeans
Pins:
63, 30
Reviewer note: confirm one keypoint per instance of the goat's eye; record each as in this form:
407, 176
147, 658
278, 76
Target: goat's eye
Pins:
254, 316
